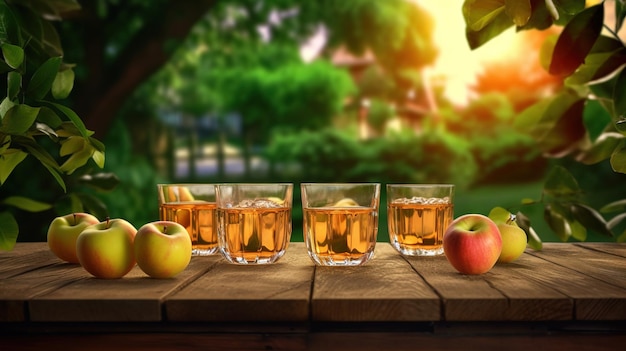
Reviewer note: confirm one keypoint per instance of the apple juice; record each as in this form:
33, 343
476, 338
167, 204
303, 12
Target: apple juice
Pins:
198, 217
417, 225
340, 236
254, 233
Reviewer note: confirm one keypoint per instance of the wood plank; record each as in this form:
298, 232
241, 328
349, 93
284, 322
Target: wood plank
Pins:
231, 292
617, 249
16, 291
593, 299
465, 297
384, 289
25, 257
135, 297
602, 266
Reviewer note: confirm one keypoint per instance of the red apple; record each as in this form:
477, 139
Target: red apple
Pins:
64, 231
472, 244
106, 249
162, 249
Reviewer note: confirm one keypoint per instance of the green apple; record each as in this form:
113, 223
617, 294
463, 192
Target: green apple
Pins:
106, 249
162, 249
63, 232
513, 240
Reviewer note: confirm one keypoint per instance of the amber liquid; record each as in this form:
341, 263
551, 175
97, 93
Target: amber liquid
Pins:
417, 229
338, 236
198, 217
254, 235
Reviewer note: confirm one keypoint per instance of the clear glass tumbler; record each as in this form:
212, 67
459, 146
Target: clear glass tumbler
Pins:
193, 206
254, 221
418, 216
340, 222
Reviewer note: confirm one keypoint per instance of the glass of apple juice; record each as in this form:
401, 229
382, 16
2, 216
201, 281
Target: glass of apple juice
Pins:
254, 221
192, 206
418, 216
340, 222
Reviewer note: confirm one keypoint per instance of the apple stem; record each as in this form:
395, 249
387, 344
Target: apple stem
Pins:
511, 219
164, 229
74, 215
107, 225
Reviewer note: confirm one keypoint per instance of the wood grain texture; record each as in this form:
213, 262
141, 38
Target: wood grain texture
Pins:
232, 292
135, 297
384, 289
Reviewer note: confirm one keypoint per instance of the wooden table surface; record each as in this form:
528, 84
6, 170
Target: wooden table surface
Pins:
570, 294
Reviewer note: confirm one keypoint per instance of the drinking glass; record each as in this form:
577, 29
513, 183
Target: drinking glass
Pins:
193, 206
418, 216
254, 221
340, 222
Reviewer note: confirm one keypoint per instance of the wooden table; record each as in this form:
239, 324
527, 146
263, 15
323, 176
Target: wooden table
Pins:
570, 295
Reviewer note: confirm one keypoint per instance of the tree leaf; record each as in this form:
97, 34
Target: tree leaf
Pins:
618, 158
519, 11
480, 13
619, 94
591, 219
13, 55
76, 121
601, 149
5, 106
576, 40
557, 223
615, 206
26, 204
49, 117
532, 238
560, 182
71, 145
476, 39
540, 17
615, 220
620, 14
579, 232
14, 84
19, 119
42, 79
44, 158
9, 159
99, 158
9, 230
101, 181
561, 136
63, 84
77, 160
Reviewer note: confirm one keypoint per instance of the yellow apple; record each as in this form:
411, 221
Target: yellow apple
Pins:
346, 202
162, 249
106, 249
64, 231
513, 241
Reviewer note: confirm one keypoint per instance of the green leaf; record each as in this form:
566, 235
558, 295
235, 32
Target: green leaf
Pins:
615, 220
540, 17
619, 94
620, 14
26, 204
9, 29
77, 160
44, 158
601, 149
560, 182
63, 84
9, 230
99, 158
618, 158
519, 11
19, 119
615, 206
71, 145
97, 144
576, 40
557, 223
5, 106
101, 181
42, 79
499, 24
561, 127
533, 239
9, 159
591, 219
480, 13
76, 121
13, 55
49, 117
14, 84
579, 232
